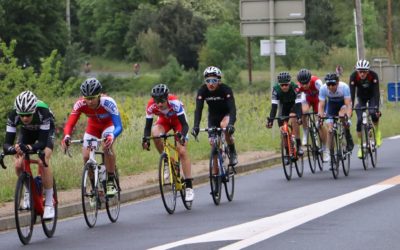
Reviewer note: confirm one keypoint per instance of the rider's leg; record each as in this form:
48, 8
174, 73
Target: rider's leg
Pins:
230, 141
305, 108
156, 131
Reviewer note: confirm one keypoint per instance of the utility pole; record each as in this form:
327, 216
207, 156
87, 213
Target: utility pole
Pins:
389, 30
249, 59
359, 31
68, 19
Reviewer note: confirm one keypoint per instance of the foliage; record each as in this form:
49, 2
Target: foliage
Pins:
171, 73
72, 61
181, 33
150, 47
38, 26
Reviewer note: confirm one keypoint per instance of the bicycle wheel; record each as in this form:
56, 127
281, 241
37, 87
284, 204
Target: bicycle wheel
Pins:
335, 161
25, 216
49, 226
167, 184
299, 164
317, 144
215, 180
186, 204
373, 148
286, 161
113, 203
90, 196
311, 154
345, 157
365, 146
229, 182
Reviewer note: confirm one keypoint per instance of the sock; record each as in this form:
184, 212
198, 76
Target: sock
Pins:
49, 197
298, 142
188, 183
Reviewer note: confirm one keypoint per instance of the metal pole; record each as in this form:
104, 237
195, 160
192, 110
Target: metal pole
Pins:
272, 43
360, 32
68, 19
249, 59
396, 81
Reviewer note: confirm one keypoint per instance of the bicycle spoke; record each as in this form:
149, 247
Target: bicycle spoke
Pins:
215, 179
90, 196
167, 185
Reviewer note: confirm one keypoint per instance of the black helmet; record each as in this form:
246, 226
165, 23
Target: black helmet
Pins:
91, 87
160, 91
331, 78
304, 76
284, 77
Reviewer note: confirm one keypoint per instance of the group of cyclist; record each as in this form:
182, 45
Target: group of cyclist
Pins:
332, 98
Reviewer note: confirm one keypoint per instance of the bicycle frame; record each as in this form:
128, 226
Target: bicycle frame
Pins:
219, 147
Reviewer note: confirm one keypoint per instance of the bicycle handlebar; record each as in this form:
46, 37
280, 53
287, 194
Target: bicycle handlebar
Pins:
40, 154
161, 136
284, 117
81, 141
365, 108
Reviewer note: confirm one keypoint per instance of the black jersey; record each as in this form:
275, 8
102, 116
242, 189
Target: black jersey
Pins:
366, 89
220, 102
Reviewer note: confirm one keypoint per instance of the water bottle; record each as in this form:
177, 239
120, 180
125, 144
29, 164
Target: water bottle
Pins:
38, 183
364, 118
102, 173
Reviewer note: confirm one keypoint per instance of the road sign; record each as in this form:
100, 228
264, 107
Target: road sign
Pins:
283, 9
282, 28
280, 47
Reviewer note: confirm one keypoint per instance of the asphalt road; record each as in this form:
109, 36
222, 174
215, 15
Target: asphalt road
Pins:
268, 212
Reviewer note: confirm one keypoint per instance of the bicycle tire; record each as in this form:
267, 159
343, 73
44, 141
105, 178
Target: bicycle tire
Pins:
318, 148
167, 187
345, 157
49, 226
310, 148
287, 168
113, 203
215, 180
373, 148
334, 155
229, 182
90, 197
299, 164
24, 217
364, 146
186, 204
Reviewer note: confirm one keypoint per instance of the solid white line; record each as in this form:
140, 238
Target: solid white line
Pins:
258, 230
394, 137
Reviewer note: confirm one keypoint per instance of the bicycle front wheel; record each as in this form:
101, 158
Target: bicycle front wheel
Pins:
365, 146
373, 149
186, 204
25, 216
310, 151
286, 161
113, 202
229, 182
335, 161
167, 184
49, 226
215, 178
90, 196
345, 157
299, 164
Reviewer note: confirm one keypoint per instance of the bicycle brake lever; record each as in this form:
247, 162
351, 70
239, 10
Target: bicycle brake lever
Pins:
42, 157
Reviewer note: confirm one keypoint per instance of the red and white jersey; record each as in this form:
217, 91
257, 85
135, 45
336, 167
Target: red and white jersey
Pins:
175, 108
314, 86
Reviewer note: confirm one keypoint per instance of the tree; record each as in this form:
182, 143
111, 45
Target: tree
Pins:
181, 33
38, 26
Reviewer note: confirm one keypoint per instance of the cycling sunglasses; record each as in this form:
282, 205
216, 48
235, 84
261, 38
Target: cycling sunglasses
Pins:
212, 81
25, 115
160, 100
331, 83
284, 84
92, 97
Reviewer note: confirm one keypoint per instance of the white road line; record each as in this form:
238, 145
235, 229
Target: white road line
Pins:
394, 137
255, 231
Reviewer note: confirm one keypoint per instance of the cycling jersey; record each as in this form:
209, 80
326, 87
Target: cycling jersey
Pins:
290, 101
310, 95
334, 100
40, 130
173, 117
100, 118
221, 103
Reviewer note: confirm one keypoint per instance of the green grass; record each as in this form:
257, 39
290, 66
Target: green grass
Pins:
251, 135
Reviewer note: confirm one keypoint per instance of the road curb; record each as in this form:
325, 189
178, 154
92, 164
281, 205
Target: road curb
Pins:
75, 208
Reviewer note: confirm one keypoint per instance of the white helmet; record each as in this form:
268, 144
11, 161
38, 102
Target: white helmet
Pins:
212, 71
362, 65
25, 103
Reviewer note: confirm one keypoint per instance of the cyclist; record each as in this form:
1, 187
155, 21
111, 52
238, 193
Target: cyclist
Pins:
366, 83
334, 99
104, 121
221, 108
286, 93
171, 115
309, 86
37, 132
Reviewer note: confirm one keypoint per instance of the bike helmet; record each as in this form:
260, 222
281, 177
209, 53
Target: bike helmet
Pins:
91, 87
212, 71
362, 65
304, 76
331, 78
25, 103
160, 91
284, 77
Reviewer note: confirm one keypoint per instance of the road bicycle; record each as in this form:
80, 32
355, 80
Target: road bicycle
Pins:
220, 172
289, 152
94, 184
28, 185
314, 144
338, 148
169, 175
369, 148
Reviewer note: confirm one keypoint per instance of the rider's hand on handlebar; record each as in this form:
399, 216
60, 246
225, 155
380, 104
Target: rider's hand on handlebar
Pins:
181, 138
231, 129
146, 144
22, 148
270, 122
108, 140
65, 142
195, 131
